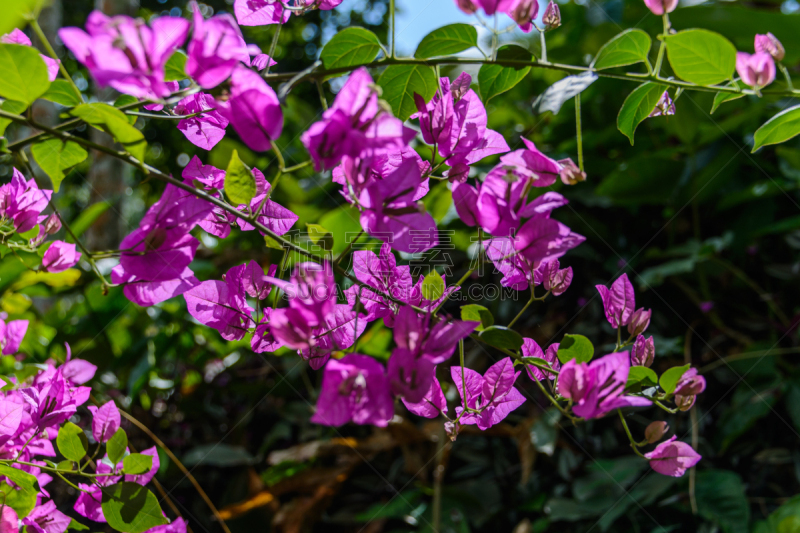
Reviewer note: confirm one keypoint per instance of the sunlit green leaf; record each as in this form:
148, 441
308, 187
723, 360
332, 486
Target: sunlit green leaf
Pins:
629, 47
72, 442
56, 156
401, 82
115, 123
637, 107
131, 508
349, 47
447, 40
701, 56
779, 128
495, 79
24, 74
575, 347
240, 185
61, 92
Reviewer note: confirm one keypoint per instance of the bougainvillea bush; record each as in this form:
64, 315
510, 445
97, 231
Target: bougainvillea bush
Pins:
361, 224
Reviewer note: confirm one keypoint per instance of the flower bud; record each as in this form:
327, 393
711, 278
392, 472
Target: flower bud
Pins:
771, 45
52, 224
640, 319
467, 6
559, 281
655, 430
552, 16
684, 403
664, 107
570, 173
524, 11
757, 70
690, 384
643, 351
659, 7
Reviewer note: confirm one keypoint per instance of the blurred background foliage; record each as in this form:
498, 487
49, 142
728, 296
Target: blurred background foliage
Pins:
709, 233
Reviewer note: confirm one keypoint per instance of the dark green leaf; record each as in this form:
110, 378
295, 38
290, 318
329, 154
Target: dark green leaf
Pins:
629, 47
701, 56
779, 128
477, 313
23, 498
77, 526
432, 286
401, 82
56, 156
447, 40
344, 226
24, 74
637, 107
115, 123
116, 446
721, 498
61, 92
72, 442
86, 218
575, 347
669, 379
349, 47
175, 68
495, 79
641, 376
502, 337
240, 185
137, 463
131, 508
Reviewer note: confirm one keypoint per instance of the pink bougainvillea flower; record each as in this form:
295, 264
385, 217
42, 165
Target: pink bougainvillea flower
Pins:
273, 215
22, 202
640, 320
552, 16
105, 421
46, 518
690, 384
673, 458
756, 70
554, 279
432, 404
262, 61
531, 164
154, 265
17, 36
530, 348
9, 521
207, 128
11, 335
414, 332
664, 107
126, 53
176, 526
218, 221
222, 305
355, 126
597, 388
545, 239
253, 109
52, 401
216, 48
570, 172
354, 388
522, 11
261, 12
493, 394
147, 477
338, 331
59, 257
771, 45
619, 301
263, 340
389, 211
643, 351
659, 7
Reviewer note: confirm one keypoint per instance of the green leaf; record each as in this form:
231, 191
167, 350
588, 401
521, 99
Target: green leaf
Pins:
240, 185
77, 526
779, 128
343, 224
641, 376
575, 347
115, 123
701, 56
400, 82
23, 498
66, 465
502, 337
721, 98
55, 156
477, 313
669, 379
61, 92
116, 446
175, 68
447, 40
320, 236
72, 442
86, 218
349, 47
10, 106
494, 79
126, 100
432, 286
24, 74
637, 107
131, 508
627, 48
137, 463
721, 498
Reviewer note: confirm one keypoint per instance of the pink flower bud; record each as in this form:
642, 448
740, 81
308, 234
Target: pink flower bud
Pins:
639, 321
643, 351
570, 173
684, 403
757, 70
664, 107
552, 16
467, 6
524, 11
52, 224
691, 383
59, 257
771, 45
659, 7
655, 430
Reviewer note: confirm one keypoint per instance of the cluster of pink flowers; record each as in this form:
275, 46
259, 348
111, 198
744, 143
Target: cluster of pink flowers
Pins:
758, 70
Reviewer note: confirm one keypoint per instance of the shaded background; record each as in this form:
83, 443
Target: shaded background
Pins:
708, 232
